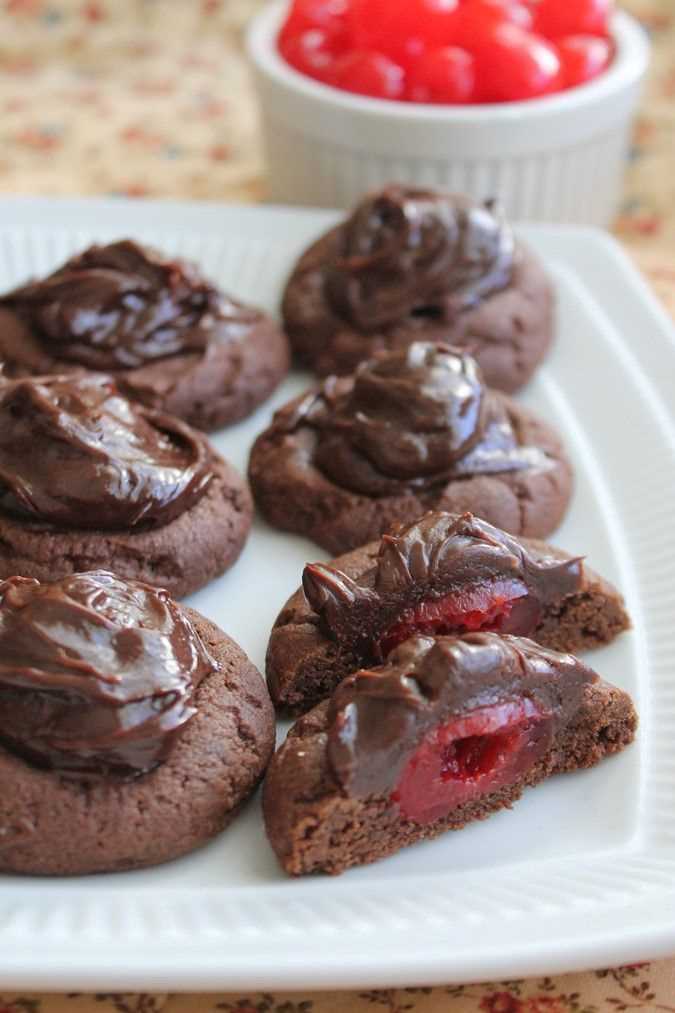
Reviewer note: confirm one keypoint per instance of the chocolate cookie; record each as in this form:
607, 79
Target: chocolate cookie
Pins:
448, 731
171, 340
409, 432
417, 265
443, 574
131, 729
89, 479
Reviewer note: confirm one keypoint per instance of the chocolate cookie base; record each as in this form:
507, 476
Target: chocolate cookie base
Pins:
208, 391
509, 333
313, 827
295, 496
56, 826
304, 665
181, 556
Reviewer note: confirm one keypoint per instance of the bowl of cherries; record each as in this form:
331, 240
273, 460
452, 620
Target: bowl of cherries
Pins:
530, 100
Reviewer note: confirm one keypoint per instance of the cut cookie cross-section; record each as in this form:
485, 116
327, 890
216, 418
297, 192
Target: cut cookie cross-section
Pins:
444, 574
449, 730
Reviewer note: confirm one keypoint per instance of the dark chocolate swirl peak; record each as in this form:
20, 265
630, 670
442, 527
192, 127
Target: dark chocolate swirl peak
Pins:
410, 420
518, 692
407, 251
97, 675
120, 306
75, 454
443, 574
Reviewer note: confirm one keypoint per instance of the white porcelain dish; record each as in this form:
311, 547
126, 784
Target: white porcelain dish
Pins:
556, 159
582, 872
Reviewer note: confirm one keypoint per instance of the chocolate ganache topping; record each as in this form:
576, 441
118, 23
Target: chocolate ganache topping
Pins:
440, 558
122, 306
75, 454
97, 675
407, 251
377, 718
409, 419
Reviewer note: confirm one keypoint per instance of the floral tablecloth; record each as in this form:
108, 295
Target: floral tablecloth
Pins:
151, 98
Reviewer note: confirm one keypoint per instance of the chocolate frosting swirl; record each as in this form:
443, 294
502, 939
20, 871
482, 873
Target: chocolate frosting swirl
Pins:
426, 560
409, 419
122, 306
406, 251
97, 675
75, 454
377, 718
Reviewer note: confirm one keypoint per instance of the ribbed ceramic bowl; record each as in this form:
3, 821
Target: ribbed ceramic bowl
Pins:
556, 159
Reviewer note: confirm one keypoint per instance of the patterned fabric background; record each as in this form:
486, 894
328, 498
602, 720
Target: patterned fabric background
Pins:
152, 98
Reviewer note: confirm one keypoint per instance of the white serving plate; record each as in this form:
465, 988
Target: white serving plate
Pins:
582, 872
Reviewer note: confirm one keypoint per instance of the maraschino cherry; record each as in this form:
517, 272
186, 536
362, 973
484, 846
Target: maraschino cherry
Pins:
449, 52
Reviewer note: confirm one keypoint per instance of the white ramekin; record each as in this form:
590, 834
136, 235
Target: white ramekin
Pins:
555, 159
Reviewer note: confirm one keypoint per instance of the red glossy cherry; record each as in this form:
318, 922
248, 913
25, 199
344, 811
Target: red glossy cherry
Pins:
369, 73
582, 57
402, 29
503, 606
513, 65
557, 18
449, 51
443, 76
306, 14
470, 756
313, 52
476, 18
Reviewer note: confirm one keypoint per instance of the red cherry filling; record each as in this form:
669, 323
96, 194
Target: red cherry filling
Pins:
503, 606
471, 756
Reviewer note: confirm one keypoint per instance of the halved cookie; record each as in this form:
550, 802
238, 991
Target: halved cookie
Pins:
448, 731
442, 574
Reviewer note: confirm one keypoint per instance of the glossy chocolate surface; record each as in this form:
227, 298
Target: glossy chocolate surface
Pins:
378, 718
433, 557
123, 305
75, 454
406, 251
97, 675
409, 420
